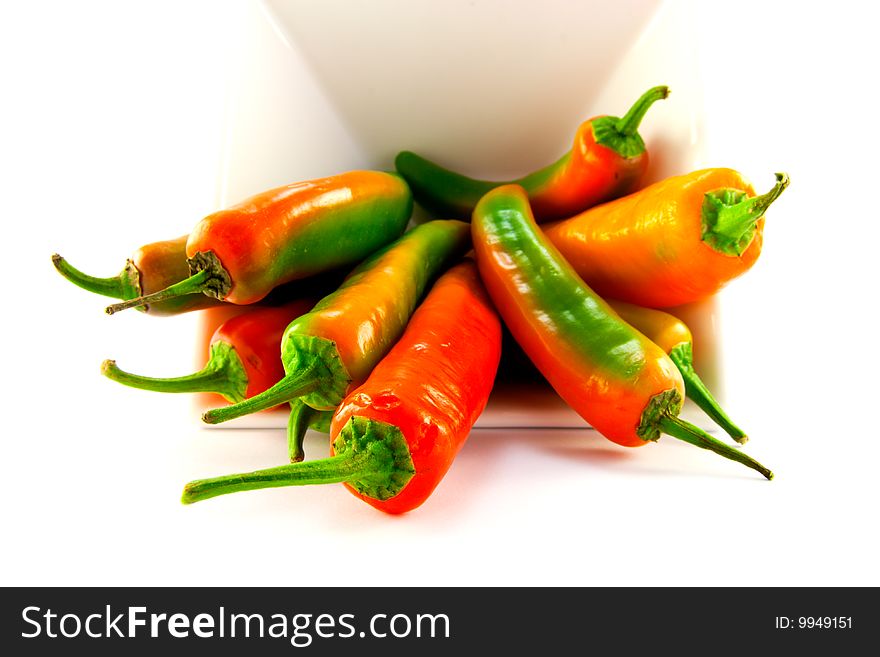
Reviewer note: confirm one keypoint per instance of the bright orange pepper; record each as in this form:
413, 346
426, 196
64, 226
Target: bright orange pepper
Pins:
674, 242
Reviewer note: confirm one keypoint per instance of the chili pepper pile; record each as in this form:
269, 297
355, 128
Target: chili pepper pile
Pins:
397, 360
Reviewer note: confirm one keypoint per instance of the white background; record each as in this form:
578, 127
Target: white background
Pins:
111, 133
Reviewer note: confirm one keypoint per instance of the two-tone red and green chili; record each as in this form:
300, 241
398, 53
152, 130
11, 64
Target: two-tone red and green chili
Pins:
608, 159
612, 375
242, 253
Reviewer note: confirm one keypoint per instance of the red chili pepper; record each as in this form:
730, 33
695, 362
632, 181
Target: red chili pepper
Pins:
394, 437
245, 357
609, 373
607, 160
674, 242
242, 253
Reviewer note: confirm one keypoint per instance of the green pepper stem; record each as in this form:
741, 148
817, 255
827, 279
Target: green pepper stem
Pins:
347, 466
208, 379
699, 393
223, 374
302, 418
678, 428
297, 424
114, 286
629, 123
290, 387
735, 221
192, 285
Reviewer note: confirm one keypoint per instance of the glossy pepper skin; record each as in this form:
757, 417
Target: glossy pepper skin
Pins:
242, 253
151, 268
674, 242
608, 159
333, 348
674, 337
609, 373
244, 359
394, 437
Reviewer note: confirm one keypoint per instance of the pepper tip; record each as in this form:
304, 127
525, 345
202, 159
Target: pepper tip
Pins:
186, 497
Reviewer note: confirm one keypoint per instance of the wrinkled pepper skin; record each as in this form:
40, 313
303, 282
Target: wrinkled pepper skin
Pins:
151, 268
650, 248
603, 368
301, 229
608, 159
395, 436
434, 383
610, 374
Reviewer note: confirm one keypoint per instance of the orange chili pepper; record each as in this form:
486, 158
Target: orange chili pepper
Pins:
674, 242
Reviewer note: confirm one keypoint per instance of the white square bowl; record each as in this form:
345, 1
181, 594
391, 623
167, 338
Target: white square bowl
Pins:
492, 88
